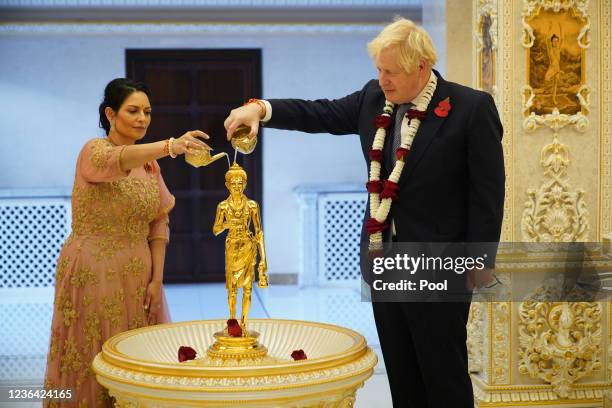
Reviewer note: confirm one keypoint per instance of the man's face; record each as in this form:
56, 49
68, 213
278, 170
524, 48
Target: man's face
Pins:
398, 85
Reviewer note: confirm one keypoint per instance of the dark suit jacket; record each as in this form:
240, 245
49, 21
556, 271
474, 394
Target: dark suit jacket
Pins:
452, 186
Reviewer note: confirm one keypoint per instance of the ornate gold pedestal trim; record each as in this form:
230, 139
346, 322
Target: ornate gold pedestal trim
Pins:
582, 395
237, 348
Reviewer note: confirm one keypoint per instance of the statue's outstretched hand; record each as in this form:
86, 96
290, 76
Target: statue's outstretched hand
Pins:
263, 276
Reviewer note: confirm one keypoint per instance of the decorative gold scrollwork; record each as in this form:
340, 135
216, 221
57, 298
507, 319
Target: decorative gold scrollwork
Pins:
475, 338
531, 7
553, 212
559, 342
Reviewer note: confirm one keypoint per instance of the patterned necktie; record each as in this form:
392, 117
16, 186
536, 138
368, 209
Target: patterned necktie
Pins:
397, 130
397, 141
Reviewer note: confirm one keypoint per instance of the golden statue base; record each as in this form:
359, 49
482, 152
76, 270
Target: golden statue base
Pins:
151, 376
237, 348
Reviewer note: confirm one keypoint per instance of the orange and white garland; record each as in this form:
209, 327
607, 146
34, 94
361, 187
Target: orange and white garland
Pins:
382, 193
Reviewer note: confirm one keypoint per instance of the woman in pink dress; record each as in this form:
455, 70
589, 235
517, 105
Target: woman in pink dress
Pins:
109, 272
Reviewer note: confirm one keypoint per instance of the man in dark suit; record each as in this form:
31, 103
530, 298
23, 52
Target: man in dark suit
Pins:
450, 188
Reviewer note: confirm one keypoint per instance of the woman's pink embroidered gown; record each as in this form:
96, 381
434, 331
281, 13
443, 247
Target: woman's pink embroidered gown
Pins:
104, 267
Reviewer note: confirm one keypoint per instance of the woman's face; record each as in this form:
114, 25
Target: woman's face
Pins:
554, 41
134, 116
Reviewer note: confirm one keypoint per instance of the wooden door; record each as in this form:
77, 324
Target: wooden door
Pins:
196, 89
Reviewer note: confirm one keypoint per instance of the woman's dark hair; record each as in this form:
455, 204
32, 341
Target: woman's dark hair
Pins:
115, 93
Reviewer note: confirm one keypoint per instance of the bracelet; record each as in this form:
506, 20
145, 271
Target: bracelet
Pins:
259, 103
170, 151
167, 148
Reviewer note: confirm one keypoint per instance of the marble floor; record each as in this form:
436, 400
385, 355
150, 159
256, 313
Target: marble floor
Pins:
26, 314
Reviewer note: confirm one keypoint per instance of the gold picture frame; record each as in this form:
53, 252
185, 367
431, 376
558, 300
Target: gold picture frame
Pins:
555, 39
486, 35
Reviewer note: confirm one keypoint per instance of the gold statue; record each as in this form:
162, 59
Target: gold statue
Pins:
235, 214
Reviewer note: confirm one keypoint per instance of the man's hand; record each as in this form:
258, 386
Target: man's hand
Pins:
248, 115
478, 278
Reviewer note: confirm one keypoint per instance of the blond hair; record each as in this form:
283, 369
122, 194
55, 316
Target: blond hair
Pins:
412, 41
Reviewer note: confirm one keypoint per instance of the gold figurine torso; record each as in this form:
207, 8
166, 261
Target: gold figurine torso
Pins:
239, 212
240, 244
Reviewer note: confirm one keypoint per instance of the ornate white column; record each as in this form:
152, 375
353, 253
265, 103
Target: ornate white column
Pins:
548, 65
434, 20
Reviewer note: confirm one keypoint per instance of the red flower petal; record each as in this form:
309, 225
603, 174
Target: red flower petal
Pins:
382, 121
414, 113
401, 153
298, 355
390, 190
373, 226
375, 154
233, 328
186, 353
235, 331
374, 186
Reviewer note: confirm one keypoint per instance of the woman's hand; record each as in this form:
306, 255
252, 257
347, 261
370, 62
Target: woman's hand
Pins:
153, 299
189, 142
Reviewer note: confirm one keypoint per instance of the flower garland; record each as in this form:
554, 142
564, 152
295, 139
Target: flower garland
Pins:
383, 192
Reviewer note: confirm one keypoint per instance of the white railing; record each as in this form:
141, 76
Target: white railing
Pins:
331, 218
33, 226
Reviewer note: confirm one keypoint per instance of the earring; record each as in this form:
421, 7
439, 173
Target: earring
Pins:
112, 124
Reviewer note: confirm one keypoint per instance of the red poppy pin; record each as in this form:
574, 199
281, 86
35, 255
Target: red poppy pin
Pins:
443, 108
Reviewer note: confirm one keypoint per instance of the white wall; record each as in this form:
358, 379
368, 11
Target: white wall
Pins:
51, 85
434, 21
